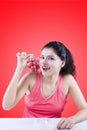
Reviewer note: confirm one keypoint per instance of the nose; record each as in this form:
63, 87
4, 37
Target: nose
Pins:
45, 61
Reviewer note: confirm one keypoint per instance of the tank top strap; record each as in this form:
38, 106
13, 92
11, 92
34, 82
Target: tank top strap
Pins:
60, 83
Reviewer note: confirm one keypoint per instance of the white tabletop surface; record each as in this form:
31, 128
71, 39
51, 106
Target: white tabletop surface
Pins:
35, 124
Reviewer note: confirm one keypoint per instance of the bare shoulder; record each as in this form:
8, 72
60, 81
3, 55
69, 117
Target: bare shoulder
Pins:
68, 82
69, 79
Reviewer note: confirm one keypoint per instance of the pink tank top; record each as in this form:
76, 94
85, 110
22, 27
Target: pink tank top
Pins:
36, 105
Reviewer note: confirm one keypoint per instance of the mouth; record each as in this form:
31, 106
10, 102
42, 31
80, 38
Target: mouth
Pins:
45, 68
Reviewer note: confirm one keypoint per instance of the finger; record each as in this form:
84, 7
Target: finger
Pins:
18, 54
60, 123
66, 124
29, 64
23, 54
69, 125
63, 125
29, 56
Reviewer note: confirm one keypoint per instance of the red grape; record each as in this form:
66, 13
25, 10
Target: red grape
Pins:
33, 64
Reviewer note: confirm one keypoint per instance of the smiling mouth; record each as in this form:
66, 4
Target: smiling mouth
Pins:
45, 68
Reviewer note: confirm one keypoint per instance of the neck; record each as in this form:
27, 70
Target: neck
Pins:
52, 79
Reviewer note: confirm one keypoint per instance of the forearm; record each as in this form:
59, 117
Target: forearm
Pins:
70, 121
10, 94
80, 116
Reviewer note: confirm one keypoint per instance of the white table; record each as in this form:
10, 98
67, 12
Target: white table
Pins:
35, 124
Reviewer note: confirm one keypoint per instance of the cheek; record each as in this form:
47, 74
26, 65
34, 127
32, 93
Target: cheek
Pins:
40, 62
57, 64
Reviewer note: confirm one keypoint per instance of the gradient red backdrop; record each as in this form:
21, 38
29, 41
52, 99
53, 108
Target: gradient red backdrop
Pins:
28, 25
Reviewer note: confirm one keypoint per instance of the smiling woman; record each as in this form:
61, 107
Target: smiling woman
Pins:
49, 61
48, 88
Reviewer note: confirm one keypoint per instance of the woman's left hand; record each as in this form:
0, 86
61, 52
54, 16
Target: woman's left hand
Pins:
66, 123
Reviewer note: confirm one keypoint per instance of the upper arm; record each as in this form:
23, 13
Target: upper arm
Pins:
22, 87
76, 93
25, 84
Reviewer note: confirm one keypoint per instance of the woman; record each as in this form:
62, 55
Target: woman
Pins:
46, 91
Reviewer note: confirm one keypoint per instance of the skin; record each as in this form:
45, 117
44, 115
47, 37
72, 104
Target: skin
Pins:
50, 65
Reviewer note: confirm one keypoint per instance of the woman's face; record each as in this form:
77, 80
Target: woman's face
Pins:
50, 63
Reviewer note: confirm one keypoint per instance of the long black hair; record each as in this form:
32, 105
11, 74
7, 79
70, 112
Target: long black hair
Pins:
65, 55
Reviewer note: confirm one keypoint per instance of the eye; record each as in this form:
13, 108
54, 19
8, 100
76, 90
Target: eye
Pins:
51, 58
41, 57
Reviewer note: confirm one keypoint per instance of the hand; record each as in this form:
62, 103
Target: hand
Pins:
66, 123
22, 59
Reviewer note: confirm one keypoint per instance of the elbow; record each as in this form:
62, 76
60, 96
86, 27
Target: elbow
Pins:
6, 107
7, 104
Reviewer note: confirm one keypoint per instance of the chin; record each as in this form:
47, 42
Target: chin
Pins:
46, 74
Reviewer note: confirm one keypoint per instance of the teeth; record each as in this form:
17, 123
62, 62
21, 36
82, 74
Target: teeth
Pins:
45, 68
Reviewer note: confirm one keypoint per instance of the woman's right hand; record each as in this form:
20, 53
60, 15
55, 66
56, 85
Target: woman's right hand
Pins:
22, 59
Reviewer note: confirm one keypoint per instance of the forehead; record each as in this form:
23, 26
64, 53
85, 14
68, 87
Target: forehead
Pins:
48, 51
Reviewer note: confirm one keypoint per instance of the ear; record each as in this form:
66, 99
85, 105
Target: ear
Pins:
63, 63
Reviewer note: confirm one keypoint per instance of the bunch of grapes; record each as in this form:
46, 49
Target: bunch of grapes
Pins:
33, 64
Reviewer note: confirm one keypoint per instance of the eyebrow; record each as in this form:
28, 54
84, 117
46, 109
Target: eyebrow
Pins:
49, 55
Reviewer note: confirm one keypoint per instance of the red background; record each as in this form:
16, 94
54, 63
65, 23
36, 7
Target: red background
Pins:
28, 25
